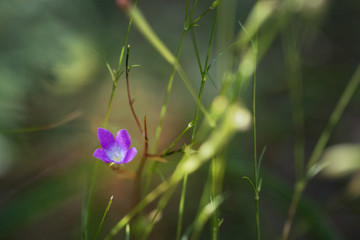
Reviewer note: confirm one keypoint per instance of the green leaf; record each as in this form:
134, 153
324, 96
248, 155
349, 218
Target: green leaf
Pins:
107, 65
260, 160
103, 218
134, 66
251, 183
259, 185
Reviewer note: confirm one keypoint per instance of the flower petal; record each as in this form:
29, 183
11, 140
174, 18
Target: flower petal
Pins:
129, 155
101, 154
123, 139
106, 139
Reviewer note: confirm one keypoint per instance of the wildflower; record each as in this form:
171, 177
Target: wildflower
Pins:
114, 150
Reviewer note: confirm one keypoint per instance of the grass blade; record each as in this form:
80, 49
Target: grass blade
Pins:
103, 218
334, 118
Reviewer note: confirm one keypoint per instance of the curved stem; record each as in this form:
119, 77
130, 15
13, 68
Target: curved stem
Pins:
131, 101
137, 193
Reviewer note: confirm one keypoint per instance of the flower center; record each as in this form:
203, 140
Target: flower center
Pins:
116, 154
117, 157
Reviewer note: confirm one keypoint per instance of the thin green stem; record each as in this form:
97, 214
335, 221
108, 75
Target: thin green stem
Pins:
256, 177
202, 15
125, 41
103, 218
254, 127
193, 38
257, 216
323, 140
109, 105
212, 7
190, 125
215, 225
203, 80
334, 118
213, 179
188, 19
181, 207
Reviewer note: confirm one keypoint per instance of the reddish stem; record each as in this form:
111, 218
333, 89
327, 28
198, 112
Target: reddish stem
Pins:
131, 101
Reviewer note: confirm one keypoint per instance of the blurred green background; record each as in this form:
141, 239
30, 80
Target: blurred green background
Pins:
53, 77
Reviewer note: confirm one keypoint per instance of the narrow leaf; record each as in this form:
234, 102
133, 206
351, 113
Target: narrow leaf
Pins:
107, 65
260, 160
251, 183
103, 218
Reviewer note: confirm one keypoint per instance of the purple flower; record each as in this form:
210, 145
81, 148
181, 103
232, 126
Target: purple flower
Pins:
115, 151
